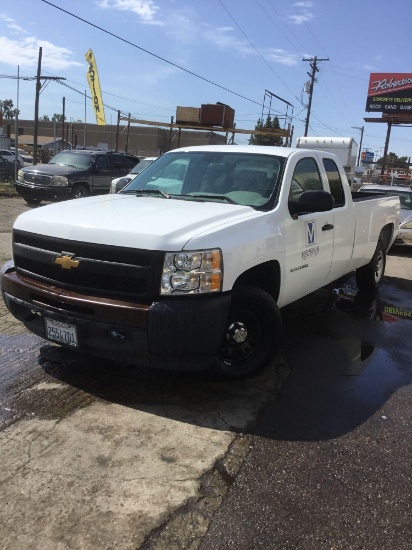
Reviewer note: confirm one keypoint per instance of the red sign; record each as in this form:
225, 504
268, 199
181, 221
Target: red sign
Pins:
390, 92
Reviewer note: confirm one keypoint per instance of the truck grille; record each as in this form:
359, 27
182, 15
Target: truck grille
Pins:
102, 270
36, 179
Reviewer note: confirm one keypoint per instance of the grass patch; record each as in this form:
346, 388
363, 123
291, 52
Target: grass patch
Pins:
7, 190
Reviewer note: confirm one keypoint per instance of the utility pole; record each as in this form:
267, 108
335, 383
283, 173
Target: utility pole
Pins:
385, 152
360, 144
36, 103
314, 66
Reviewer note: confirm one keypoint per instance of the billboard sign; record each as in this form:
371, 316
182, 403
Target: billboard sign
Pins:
368, 157
390, 93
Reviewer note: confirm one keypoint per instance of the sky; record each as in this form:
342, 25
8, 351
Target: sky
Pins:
155, 55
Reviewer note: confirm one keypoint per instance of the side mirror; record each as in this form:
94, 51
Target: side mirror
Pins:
312, 201
121, 183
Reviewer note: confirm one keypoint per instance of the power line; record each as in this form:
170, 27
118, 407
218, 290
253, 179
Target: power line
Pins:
256, 50
150, 53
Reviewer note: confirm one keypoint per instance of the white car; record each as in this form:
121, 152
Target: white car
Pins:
118, 183
405, 198
10, 156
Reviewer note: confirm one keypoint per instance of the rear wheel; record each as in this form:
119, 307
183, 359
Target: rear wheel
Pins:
370, 276
80, 191
252, 333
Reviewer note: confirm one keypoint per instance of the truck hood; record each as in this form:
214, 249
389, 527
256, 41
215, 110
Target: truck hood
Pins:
149, 223
54, 169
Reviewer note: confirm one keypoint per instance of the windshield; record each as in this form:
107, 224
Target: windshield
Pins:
75, 160
241, 178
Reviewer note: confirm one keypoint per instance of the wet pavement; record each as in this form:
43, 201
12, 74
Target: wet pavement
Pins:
332, 458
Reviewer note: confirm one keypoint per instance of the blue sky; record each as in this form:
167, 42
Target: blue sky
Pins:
236, 49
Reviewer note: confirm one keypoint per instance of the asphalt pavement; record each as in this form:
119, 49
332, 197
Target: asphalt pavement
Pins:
332, 458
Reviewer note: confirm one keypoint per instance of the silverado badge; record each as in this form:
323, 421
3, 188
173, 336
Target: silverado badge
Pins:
66, 262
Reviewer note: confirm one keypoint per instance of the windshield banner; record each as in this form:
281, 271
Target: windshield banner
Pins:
94, 84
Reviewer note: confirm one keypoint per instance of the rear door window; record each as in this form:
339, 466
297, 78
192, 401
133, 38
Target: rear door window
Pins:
335, 182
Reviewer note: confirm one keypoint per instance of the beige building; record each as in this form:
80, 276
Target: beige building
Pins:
140, 140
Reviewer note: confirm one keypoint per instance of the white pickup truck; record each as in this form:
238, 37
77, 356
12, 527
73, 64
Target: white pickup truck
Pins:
188, 266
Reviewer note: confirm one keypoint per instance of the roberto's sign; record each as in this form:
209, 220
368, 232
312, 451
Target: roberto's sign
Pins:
390, 93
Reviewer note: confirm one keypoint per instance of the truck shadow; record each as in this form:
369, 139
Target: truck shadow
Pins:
342, 356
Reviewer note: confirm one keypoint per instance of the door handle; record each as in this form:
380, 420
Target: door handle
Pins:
327, 227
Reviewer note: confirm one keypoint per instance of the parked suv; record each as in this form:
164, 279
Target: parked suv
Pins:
73, 174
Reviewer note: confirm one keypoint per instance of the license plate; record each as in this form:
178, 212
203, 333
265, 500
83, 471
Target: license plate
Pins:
61, 332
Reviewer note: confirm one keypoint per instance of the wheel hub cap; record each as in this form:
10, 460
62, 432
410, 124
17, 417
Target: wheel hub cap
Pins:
236, 333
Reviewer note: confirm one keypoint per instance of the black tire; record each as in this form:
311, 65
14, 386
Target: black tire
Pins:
370, 276
80, 191
252, 334
31, 200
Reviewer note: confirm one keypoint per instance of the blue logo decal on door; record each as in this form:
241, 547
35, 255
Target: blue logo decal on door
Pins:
310, 228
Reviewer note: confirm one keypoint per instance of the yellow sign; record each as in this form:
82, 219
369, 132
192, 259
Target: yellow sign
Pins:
94, 84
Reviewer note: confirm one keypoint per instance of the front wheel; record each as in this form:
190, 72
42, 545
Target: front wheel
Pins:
370, 276
80, 191
32, 201
252, 333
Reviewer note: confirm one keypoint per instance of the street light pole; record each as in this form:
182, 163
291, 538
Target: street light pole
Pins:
360, 144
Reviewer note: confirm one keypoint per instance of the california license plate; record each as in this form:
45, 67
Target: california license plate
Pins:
61, 332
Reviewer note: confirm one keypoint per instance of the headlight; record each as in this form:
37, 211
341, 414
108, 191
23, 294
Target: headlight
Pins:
59, 181
407, 225
192, 272
20, 175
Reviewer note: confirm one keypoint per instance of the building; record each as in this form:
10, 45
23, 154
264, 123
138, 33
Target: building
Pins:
143, 141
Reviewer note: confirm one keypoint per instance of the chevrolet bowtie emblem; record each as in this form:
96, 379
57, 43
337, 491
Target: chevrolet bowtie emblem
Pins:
66, 262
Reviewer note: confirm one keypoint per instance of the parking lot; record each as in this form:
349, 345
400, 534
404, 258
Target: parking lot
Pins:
313, 453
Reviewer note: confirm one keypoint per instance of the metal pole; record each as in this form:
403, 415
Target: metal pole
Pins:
64, 112
36, 109
16, 129
127, 136
117, 132
170, 133
84, 136
385, 152
54, 139
360, 146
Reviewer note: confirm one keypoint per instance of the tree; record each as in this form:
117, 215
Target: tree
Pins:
57, 117
270, 124
44, 118
392, 158
8, 110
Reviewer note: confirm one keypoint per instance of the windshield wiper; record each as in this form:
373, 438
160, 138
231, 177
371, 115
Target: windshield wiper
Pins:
212, 196
149, 192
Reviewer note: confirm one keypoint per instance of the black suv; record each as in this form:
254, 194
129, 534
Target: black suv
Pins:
73, 174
